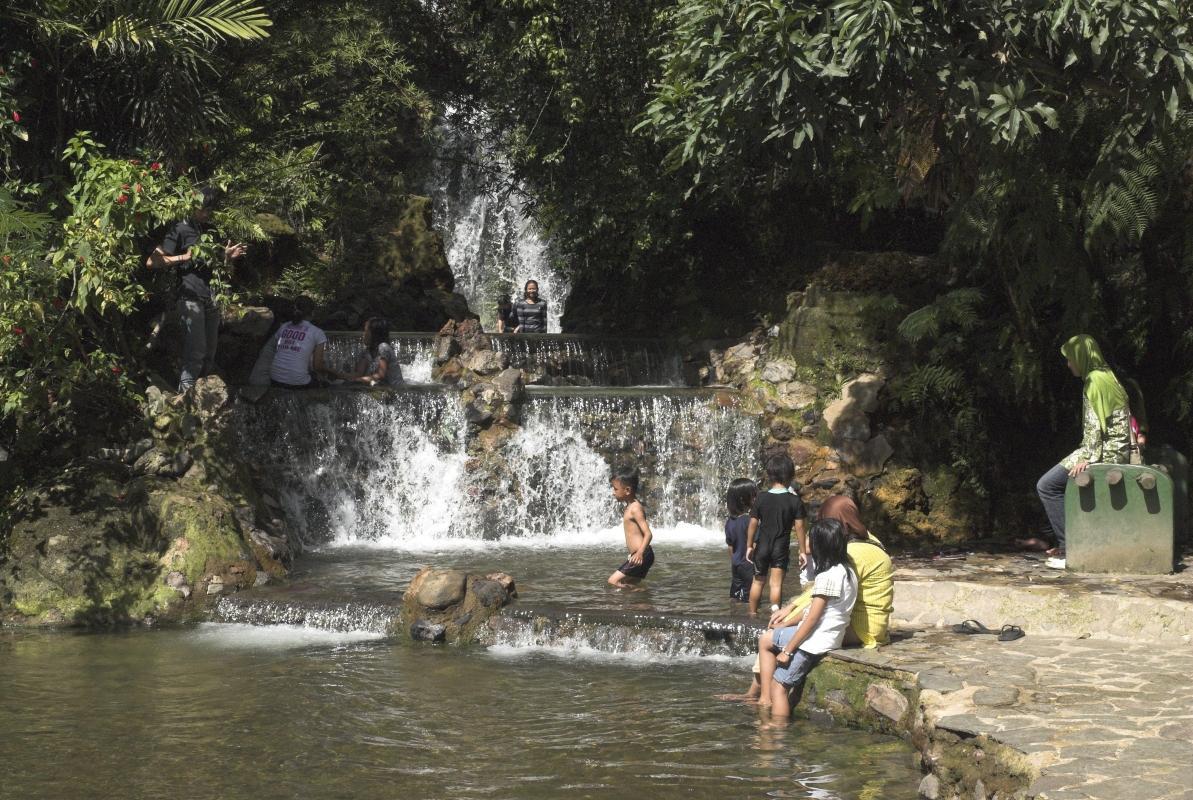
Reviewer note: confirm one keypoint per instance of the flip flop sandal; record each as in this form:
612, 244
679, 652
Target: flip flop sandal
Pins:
1010, 633
971, 626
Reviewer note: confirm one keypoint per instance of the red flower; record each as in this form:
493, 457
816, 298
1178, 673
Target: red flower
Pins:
57, 303
124, 186
7, 258
16, 116
137, 188
155, 166
17, 330
122, 199
116, 370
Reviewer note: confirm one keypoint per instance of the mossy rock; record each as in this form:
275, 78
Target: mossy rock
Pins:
94, 549
205, 544
83, 551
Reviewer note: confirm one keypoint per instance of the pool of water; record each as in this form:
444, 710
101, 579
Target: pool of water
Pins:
287, 712
690, 575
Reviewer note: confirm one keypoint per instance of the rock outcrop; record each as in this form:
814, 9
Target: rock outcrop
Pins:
148, 531
452, 606
409, 280
818, 379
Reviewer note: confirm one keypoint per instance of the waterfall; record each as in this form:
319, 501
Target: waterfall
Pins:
415, 353
493, 244
392, 468
593, 360
340, 617
548, 359
686, 447
354, 466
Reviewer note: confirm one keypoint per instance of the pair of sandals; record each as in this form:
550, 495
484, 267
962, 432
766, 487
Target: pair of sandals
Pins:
1007, 633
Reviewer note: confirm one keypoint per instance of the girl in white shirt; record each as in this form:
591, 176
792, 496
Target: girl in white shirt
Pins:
789, 652
299, 354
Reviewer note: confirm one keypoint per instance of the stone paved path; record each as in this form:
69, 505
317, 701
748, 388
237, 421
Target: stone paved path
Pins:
1100, 720
1028, 569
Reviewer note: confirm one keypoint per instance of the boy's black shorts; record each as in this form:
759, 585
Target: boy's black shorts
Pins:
638, 570
772, 555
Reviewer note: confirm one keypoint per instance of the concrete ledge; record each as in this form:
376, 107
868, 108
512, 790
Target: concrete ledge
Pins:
1044, 610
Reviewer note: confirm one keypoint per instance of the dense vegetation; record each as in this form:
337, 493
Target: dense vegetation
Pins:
692, 160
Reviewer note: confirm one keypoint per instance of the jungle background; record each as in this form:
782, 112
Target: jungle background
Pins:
692, 161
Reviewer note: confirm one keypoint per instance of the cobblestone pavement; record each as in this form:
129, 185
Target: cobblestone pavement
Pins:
1028, 569
1100, 720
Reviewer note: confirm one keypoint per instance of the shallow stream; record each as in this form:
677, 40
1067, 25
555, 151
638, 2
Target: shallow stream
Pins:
237, 711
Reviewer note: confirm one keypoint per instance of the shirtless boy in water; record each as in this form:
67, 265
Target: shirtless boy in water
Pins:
637, 531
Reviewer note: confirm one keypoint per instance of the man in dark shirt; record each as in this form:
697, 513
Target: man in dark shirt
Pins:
196, 307
531, 311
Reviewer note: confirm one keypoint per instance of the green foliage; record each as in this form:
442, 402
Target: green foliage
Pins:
67, 287
134, 72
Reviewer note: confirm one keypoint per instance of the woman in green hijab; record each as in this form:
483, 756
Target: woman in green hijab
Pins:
1106, 436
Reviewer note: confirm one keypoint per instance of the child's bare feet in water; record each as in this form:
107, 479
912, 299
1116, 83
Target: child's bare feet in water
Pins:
737, 698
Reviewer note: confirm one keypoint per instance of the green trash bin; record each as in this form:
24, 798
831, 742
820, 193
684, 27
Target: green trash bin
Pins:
1121, 521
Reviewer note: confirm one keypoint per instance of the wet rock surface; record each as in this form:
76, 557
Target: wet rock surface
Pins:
452, 606
170, 520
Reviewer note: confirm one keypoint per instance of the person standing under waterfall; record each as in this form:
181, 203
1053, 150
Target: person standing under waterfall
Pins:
1106, 433
196, 306
531, 311
637, 530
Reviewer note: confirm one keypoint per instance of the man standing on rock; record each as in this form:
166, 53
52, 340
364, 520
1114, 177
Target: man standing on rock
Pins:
197, 310
531, 311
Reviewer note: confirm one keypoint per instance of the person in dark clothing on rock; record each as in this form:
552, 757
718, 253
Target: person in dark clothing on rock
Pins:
531, 311
197, 310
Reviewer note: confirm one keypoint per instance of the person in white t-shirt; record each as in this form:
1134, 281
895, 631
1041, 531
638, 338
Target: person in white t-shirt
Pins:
299, 354
790, 651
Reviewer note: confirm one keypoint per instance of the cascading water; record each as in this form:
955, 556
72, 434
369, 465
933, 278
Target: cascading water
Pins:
493, 244
547, 358
415, 353
391, 468
687, 448
355, 466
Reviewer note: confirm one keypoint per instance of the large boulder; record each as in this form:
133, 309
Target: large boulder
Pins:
102, 547
452, 606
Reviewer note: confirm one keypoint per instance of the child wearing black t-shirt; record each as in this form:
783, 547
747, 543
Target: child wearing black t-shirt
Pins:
739, 498
768, 539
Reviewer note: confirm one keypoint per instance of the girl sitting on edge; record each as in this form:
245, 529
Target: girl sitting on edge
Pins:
376, 363
789, 652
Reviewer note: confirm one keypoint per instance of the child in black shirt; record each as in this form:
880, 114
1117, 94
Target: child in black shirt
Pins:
739, 498
768, 539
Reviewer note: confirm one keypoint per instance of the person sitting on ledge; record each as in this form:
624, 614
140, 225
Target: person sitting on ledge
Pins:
1106, 433
870, 621
299, 355
376, 363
